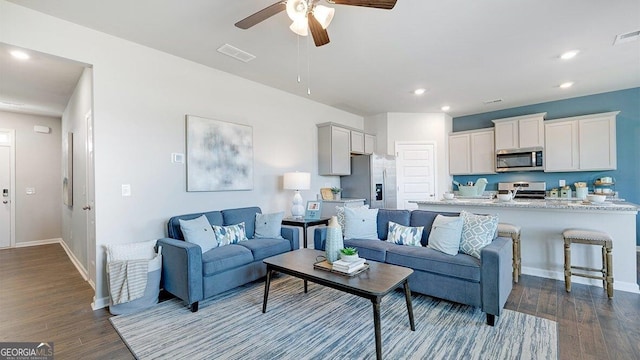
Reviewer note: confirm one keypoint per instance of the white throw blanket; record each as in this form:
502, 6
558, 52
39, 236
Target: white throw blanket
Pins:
127, 280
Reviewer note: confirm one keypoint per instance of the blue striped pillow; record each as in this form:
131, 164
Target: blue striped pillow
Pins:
404, 235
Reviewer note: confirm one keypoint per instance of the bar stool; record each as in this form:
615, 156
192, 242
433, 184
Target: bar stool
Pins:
589, 237
513, 231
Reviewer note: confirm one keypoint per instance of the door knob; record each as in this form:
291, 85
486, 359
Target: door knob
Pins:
88, 207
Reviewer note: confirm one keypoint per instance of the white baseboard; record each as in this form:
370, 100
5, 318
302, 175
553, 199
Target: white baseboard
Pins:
83, 272
100, 303
39, 242
617, 285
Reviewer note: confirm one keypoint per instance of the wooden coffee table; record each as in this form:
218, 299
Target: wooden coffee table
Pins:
373, 284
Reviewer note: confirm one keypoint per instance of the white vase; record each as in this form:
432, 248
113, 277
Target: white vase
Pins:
333, 243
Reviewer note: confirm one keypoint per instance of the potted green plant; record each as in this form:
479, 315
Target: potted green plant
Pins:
349, 254
336, 193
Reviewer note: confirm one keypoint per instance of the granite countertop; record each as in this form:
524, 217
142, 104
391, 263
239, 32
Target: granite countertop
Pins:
536, 204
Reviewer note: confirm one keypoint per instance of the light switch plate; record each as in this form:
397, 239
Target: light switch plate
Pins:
126, 190
562, 183
177, 158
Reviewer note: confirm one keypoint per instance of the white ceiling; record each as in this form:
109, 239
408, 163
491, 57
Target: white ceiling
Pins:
462, 52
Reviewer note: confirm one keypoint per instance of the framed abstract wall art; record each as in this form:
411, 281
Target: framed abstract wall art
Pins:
219, 155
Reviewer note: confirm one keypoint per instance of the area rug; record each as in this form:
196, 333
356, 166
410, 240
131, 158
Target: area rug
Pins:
328, 324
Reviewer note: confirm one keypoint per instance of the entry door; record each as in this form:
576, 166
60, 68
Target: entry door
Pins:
416, 173
6, 190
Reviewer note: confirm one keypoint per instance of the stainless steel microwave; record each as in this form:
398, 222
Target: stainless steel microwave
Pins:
529, 159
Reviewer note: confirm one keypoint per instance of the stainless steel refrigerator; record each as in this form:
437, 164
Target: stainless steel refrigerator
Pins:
373, 178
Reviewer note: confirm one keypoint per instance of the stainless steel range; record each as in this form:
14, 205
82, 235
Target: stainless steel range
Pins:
524, 189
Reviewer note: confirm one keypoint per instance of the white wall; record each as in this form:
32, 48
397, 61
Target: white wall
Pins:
140, 98
37, 166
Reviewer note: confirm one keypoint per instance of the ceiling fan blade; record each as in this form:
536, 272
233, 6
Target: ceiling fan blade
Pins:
262, 15
320, 35
379, 4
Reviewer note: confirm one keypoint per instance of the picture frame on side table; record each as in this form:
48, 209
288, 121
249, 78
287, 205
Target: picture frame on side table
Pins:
313, 211
326, 194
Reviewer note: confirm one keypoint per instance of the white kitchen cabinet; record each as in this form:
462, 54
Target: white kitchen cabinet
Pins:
581, 143
334, 150
519, 132
357, 142
472, 152
369, 144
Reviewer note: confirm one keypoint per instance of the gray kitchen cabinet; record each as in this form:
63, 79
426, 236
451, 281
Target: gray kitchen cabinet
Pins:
369, 144
357, 142
334, 150
581, 143
472, 152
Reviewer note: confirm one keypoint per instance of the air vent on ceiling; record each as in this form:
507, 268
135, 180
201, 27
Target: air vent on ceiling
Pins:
236, 53
630, 36
494, 101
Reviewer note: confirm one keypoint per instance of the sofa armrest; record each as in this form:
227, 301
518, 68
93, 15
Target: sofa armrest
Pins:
495, 274
292, 234
319, 238
182, 269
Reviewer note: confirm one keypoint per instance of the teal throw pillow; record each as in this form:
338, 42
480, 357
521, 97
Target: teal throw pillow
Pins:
360, 223
198, 231
478, 231
445, 234
404, 235
231, 234
269, 225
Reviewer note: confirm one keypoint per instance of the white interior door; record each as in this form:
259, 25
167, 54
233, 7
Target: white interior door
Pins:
7, 206
416, 173
90, 202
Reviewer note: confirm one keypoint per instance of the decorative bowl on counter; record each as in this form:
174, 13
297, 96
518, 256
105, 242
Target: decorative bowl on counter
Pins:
596, 198
448, 196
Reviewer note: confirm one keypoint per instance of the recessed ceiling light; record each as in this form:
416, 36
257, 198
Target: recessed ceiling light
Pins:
566, 85
20, 54
569, 54
419, 91
445, 108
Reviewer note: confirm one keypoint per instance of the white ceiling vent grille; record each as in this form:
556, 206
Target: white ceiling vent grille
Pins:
494, 101
630, 36
236, 53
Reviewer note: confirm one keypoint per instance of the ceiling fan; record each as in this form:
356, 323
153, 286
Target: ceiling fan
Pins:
307, 15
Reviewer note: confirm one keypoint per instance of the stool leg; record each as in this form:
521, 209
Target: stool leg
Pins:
515, 260
604, 268
609, 272
567, 265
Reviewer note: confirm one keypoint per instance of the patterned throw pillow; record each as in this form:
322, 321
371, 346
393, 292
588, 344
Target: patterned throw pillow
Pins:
231, 234
198, 231
445, 234
404, 235
477, 232
360, 223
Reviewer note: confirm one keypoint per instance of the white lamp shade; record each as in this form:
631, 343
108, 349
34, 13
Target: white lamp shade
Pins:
297, 9
324, 15
297, 181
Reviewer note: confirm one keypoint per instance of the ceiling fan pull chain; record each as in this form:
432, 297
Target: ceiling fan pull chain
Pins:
308, 67
298, 59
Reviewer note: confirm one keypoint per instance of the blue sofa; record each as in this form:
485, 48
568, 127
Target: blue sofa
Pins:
193, 276
484, 282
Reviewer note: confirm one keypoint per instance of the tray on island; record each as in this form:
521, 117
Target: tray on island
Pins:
325, 266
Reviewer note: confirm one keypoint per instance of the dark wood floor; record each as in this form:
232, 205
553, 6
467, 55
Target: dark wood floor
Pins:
43, 298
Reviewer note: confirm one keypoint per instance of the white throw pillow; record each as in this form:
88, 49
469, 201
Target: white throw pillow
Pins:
360, 223
445, 234
404, 235
340, 215
477, 232
269, 225
199, 232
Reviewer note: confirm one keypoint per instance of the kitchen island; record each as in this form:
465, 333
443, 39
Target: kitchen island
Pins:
542, 223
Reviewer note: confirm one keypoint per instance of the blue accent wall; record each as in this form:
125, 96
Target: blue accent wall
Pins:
627, 131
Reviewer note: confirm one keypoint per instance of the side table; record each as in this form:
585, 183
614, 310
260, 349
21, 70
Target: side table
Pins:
304, 224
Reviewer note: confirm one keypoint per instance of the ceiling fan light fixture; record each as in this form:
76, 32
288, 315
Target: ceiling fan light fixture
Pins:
324, 15
300, 27
297, 9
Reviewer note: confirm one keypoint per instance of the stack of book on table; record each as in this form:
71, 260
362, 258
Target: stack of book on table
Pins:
348, 267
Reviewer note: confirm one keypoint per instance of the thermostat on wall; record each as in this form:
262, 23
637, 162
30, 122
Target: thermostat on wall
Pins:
41, 129
177, 158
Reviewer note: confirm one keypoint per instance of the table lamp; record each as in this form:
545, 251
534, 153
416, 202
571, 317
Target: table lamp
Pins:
297, 181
